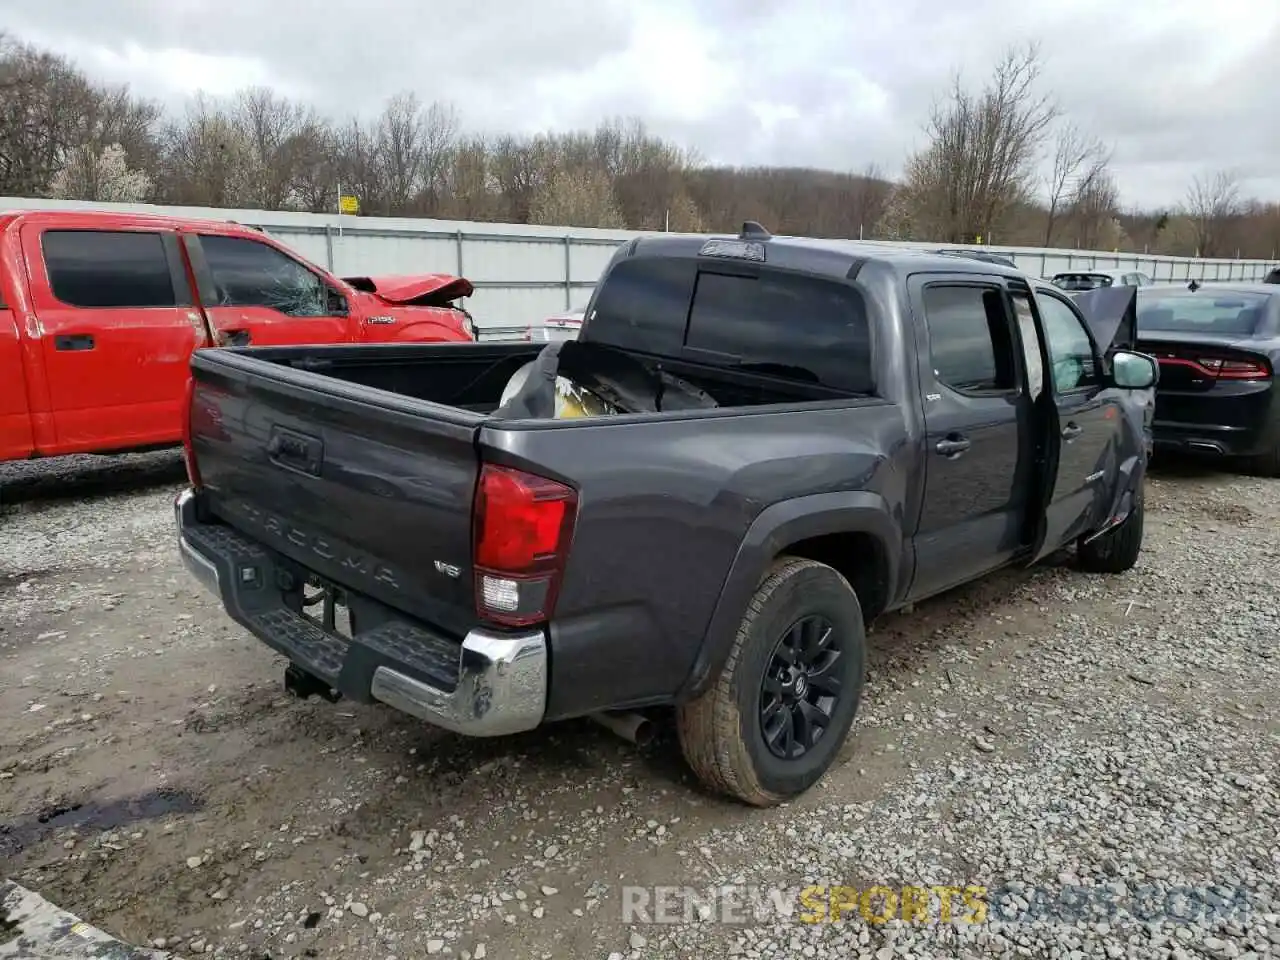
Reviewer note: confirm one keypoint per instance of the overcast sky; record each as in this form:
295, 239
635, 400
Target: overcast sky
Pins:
1178, 86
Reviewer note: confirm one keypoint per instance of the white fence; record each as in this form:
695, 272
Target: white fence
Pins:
524, 273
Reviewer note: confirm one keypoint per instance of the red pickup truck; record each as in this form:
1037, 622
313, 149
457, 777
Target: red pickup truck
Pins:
99, 314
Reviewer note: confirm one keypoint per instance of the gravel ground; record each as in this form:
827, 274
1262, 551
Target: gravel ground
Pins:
1094, 759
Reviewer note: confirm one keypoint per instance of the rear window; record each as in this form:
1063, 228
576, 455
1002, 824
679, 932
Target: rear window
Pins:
800, 328
108, 268
1238, 314
1082, 281
642, 305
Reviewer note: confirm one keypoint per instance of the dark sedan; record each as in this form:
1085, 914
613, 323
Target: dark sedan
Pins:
1218, 348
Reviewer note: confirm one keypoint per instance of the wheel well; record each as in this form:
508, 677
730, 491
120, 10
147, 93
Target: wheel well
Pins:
859, 557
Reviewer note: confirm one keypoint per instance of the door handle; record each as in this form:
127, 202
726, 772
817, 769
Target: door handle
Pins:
73, 341
1071, 431
953, 445
234, 338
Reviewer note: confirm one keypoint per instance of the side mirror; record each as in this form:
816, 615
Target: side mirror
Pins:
1134, 371
337, 303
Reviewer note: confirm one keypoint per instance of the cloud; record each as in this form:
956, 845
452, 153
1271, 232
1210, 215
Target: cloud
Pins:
1176, 87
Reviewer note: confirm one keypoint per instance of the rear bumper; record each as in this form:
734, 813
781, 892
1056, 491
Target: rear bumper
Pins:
489, 684
1229, 420
1215, 440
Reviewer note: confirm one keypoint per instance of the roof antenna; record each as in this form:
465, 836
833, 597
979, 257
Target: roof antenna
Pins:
751, 230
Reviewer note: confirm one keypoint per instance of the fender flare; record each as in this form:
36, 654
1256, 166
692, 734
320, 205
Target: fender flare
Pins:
438, 329
770, 533
1130, 476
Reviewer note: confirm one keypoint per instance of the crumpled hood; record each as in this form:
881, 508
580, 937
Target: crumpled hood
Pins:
422, 290
1112, 315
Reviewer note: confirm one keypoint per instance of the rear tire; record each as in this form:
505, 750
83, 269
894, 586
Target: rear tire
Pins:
1267, 464
796, 666
1117, 550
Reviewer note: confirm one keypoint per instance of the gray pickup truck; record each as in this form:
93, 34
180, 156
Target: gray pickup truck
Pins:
869, 426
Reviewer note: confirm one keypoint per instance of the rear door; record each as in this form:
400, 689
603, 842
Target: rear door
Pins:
1082, 456
255, 293
117, 325
979, 436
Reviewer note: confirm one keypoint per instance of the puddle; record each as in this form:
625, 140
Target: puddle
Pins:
96, 816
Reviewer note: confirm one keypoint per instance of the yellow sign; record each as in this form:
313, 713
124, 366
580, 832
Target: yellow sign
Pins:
348, 205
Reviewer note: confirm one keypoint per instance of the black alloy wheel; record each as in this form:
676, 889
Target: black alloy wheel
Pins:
800, 687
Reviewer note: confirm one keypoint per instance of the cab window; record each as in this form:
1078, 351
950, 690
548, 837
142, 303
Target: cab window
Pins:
800, 328
247, 273
970, 342
104, 269
1072, 361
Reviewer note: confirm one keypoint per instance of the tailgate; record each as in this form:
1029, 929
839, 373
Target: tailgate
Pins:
368, 489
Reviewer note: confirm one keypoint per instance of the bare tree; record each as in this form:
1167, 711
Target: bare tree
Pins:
870, 196
43, 103
1079, 159
208, 159
63, 134
521, 169
983, 147
360, 169
440, 131
277, 136
470, 190
1213, 201
1093, 211
577, 200
399, 149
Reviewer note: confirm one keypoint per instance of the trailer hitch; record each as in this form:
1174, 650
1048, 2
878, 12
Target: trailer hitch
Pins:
302, 685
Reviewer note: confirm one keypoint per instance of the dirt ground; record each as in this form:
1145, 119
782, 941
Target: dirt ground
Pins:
156, 779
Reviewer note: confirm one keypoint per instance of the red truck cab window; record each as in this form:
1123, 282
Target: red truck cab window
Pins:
263, 296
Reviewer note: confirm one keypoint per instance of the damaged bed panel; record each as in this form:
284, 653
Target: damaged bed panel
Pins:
576, 379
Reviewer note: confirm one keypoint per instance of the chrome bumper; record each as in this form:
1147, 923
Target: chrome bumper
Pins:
196, 563
502, 678
502, 687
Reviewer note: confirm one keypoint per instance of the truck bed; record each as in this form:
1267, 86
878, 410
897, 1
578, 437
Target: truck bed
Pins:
471, 376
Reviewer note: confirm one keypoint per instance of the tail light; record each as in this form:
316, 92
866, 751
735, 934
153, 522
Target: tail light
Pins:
1235, 369
1210, 364
188, 451
522, 527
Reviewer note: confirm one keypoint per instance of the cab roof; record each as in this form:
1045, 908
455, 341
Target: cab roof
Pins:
100, 219
835, 258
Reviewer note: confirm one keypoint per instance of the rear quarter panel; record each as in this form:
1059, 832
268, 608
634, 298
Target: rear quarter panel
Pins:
664, 508
16, 439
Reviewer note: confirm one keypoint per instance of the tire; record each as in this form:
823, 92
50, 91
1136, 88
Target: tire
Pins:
1267, 464
1117, 550
723, 732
